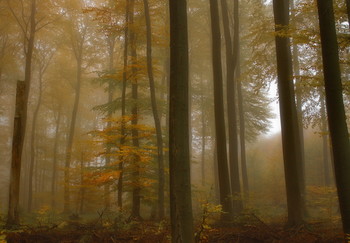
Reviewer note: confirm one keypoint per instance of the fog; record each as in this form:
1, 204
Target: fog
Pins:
91, 112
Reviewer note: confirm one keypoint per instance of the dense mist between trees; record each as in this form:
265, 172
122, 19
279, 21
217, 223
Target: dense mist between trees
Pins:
93, 136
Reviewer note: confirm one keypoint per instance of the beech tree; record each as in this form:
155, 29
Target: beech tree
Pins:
179, 151
335, 108
224, 181
289, 126
156, 117
29, 25
231, 67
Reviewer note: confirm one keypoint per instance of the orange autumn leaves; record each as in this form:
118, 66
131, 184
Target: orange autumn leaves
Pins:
118, 137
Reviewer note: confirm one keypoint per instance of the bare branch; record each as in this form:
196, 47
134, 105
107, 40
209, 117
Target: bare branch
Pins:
16, 17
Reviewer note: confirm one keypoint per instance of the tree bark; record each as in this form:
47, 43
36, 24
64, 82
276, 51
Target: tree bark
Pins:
69, 148
224, 181
325, 147
203, 134
82, 188
123, 103
17, 147
136, 191
55, 160
298, 96
179, 151
242, 132
32, 145
155, 113
288, 113
20, 124
335, 108
111, 44
236, 188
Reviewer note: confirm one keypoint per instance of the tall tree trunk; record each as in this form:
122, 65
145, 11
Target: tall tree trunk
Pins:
111, 44
55, 159
17, 146
242, 132
298, 96
136, 191
82, 188
179, 151
66, 204
288, 113
155, 113
325, 147
335, 109
235, 181
32, 145
203, 134
224, 180
123, 103
20, 125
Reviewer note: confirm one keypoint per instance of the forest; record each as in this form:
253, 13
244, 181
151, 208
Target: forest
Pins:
176, 121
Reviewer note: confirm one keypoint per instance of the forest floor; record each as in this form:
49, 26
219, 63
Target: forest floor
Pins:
257, 231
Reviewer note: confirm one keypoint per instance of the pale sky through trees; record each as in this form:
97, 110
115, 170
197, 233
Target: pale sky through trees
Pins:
275, 121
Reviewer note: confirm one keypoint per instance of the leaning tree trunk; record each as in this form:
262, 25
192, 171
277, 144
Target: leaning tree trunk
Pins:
20, 125
155, 113
179, 151
288, 113
66, 205
224, 180
335, 109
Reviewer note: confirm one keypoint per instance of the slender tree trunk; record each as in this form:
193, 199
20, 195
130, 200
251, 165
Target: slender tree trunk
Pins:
240, 101
231, 90
136, 192
335, 109
179, 151
288, 113
32, 140
325, 147
111, 44
20, 125
82, 188
66, 205
123, 103
55, 160
242, 132
203, 134
298, 96
155, 113
216, 174
224, 180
